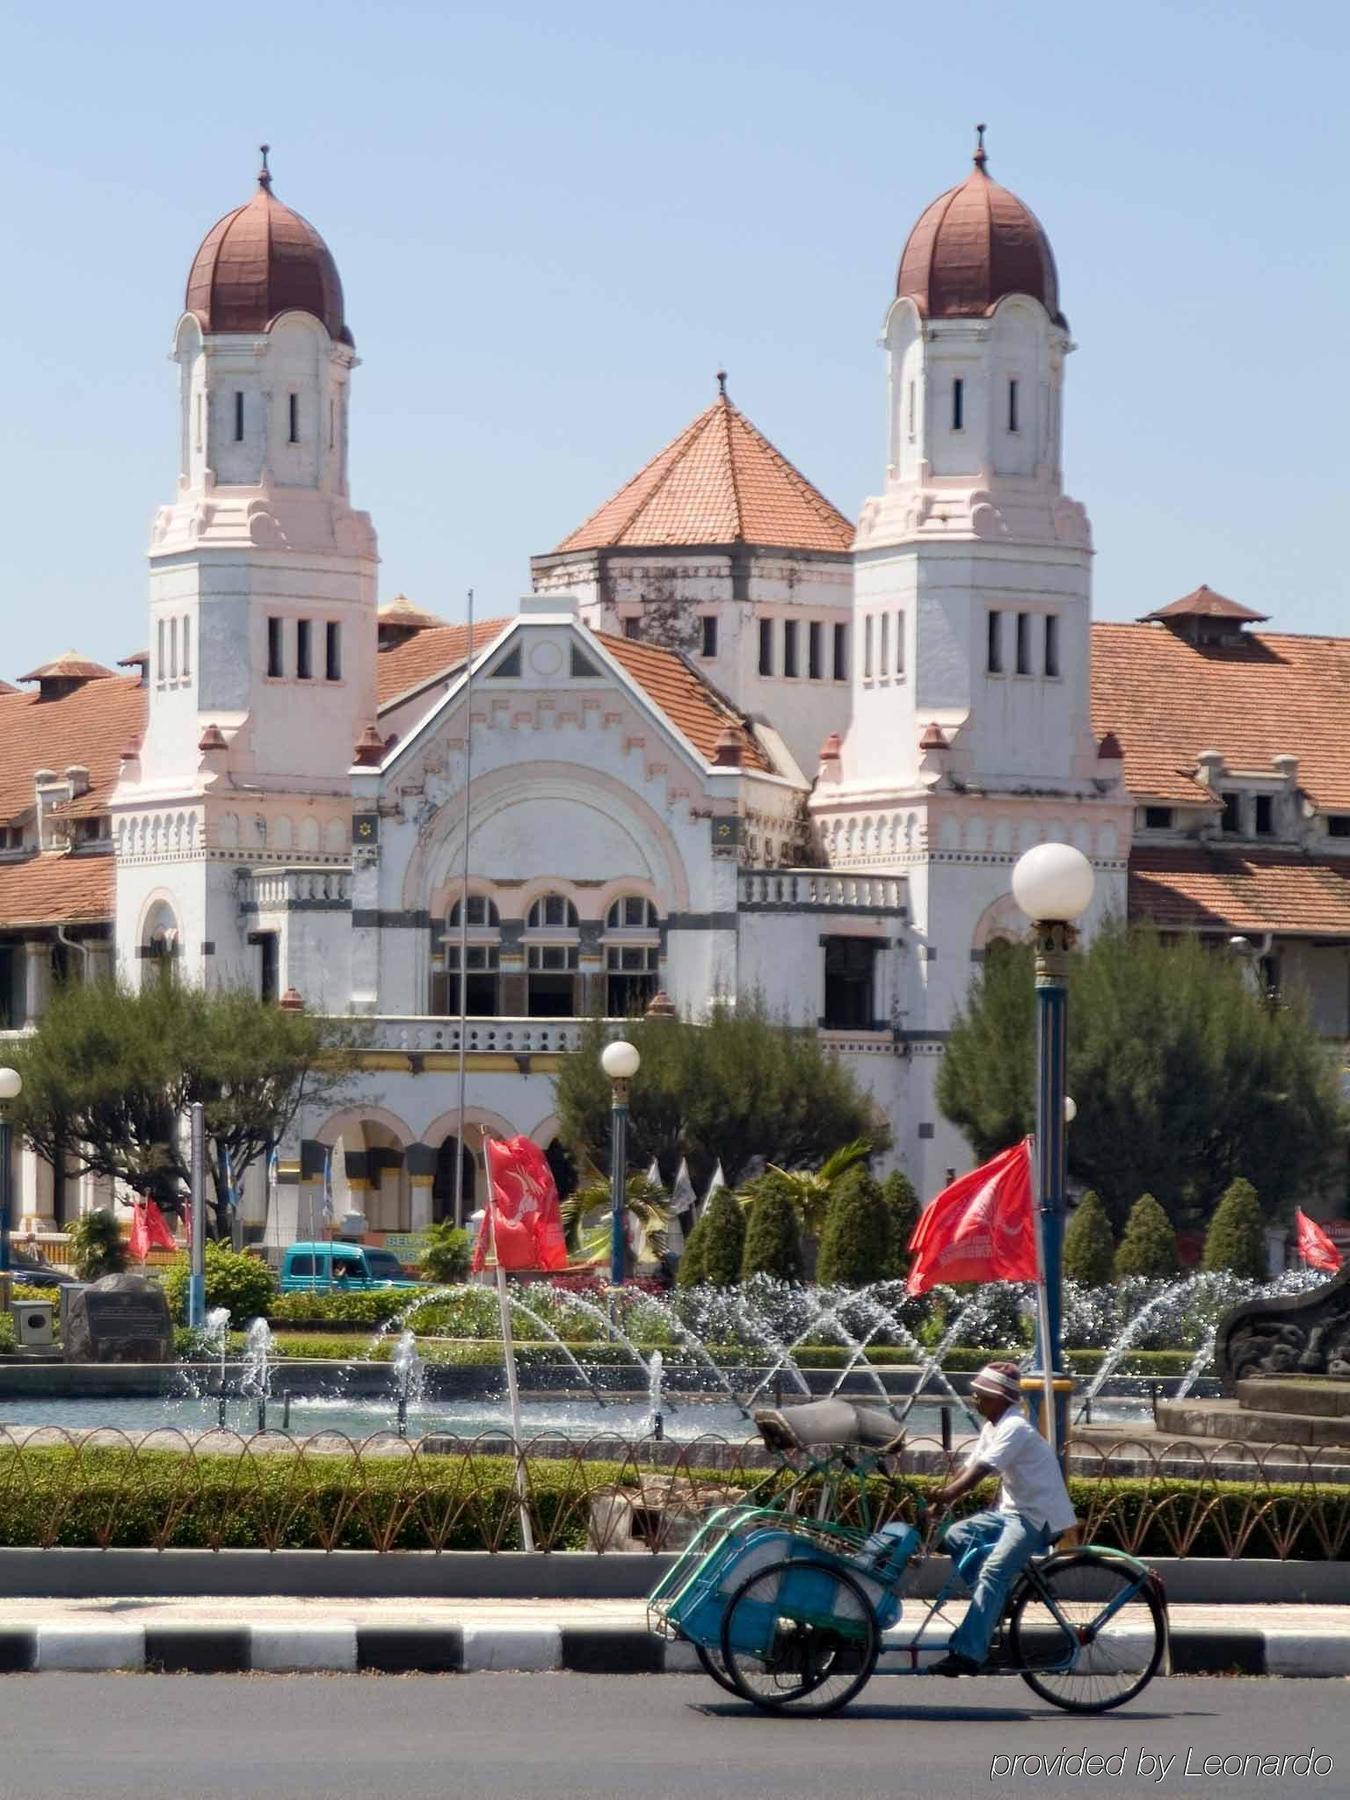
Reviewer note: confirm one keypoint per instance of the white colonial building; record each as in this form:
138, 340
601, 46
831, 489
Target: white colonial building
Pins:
729, 747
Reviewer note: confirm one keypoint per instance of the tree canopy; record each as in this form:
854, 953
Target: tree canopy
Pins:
741, 1086
110, 1074
1184, 1078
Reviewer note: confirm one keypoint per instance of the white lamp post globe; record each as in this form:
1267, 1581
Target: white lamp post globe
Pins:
1070, 1109
1053, 882
11, 1084
620, 1061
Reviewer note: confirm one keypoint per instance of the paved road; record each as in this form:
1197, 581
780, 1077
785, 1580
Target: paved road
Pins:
576, 1737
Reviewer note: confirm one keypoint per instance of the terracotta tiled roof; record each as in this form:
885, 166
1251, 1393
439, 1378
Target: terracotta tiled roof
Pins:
684, 697
400, 611
87, 725
1241, 890
69, 666
57, 889
423, 657
1266, 694
1204, 603
719, 482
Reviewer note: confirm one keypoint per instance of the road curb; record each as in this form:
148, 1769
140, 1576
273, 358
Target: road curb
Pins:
599, 1649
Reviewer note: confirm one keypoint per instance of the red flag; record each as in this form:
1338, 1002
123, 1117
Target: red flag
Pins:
148, 1230
980, 1228
1314, 1246
140, 1237
522, 1213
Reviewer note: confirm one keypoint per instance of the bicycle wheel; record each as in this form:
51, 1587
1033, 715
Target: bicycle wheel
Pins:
714, 1666
800, 1637
1080, 1660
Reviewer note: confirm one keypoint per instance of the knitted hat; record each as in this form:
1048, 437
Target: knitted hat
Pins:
1003, 1380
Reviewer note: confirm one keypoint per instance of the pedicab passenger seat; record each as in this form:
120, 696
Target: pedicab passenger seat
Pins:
833, 1421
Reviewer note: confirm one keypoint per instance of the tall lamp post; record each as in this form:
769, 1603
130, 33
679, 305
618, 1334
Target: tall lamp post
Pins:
621, 1062
11, 1086
1052, 884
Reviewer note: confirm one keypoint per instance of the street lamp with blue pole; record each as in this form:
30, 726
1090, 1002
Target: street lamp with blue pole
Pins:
620, 1061
1052, 883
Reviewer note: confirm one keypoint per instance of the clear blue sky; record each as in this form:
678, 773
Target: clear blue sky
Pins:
554, 223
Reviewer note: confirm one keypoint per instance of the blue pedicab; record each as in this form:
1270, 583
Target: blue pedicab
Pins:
794, 1610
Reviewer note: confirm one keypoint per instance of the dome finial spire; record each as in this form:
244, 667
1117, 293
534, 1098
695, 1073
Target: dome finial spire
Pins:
981, 157
265, 174
722, 383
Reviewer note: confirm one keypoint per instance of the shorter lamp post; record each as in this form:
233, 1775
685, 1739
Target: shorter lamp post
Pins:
621, 1062
1052, 883
11, 1086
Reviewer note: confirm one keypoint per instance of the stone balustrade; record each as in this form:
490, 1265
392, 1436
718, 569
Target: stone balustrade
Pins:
297, 889
821, 889
510, 1037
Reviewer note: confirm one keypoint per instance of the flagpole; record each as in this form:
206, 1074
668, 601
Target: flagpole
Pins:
464, 931
509, 1359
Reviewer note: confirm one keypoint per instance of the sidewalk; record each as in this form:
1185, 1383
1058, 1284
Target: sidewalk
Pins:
211, 1635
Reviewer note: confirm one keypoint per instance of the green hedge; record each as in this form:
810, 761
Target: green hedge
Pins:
122, 1498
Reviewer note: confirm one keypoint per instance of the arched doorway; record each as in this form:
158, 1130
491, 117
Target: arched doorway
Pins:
443, 1182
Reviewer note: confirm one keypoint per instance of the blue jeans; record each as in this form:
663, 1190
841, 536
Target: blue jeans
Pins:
990, 1549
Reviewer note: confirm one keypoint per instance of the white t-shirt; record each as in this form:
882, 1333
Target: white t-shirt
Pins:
1031, 1482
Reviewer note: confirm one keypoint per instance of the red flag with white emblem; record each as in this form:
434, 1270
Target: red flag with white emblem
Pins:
1314, 1246
522, 1222
980, 1228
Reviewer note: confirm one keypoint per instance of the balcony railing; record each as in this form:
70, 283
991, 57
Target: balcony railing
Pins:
285, 890
821, 888
510, 1037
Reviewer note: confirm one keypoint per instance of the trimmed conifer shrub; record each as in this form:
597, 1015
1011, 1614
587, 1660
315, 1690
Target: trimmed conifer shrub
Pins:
857, 1245
1236, 1239
897, 1190
1149, 1245
716, 1245
692, 1269
1089, 1248
773, 1239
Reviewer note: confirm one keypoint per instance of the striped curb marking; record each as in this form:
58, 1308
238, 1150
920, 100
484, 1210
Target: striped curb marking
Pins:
576, 1649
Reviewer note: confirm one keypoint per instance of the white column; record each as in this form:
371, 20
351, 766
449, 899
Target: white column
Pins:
37, 980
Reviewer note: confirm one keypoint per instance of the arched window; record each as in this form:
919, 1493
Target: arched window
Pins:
481, 958
159, 943
482, 912
551, 947
632, 955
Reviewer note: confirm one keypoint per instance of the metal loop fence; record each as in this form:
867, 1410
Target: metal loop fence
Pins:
170, 1489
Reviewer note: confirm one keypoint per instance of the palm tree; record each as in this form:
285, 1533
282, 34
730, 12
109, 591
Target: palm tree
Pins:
811, 1190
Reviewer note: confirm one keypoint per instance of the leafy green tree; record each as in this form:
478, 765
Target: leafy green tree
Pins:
96, 1246
1089, 1247
1183, 1077
858, 1244
1236, 1239
110, 1074
716, 1246
446, 1253
740, 1086
897, 1190
242, 1283
773, 1239
1149, 1246
810, 1190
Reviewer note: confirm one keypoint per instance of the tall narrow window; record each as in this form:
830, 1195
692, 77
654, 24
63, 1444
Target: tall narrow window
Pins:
841, 652
899, 643
1052, 644
909, 410
238, 417
332, 650
173, 649
1024, 643
884, 657
276, 656
789, 646
332, 423
708, 634
867, 648
766, 646
813, 659
632, 626
1012, 405
199, 419
1265, 815
186, 653
1232, 812
294, 417
958, 404
303, 658
160, 664
993, 657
